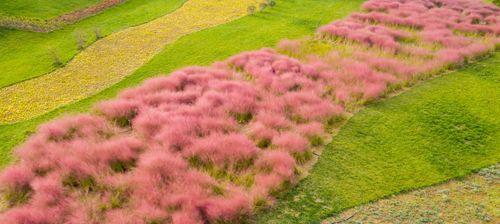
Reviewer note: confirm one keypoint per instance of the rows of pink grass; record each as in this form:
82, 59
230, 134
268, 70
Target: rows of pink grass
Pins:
210, 144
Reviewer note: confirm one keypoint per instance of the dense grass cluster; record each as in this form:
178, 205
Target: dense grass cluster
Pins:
211, 144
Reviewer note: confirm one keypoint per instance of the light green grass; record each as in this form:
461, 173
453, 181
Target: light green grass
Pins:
288, 19
471, 200
444, 128
25, 55
42, 9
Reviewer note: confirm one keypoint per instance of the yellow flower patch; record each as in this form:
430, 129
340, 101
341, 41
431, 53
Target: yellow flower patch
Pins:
112, 58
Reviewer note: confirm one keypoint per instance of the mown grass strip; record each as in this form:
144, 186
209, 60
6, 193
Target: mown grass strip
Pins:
112, 58
441, 129
288, 19
471, 200
25, 55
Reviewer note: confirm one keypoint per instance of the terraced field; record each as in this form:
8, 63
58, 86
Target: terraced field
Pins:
109, 60
42, 53
335, 115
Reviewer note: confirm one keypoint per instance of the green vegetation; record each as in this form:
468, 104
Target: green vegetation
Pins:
288, 19
42, 9
473, 200
36, 54
444, 128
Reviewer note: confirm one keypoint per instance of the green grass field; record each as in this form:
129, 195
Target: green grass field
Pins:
289, 19
470, 200
444, 128
35, 55
42, 9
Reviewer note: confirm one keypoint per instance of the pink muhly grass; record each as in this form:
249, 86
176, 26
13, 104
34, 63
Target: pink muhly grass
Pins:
310, 106
119, 109
185, 217
179, 135
380, 5
222, 149
273, 120
320, 111
311, 129
368, 34
26, 214
260, 132
228, 208
16, 177
120, 150
48, 192
291, 142
449, 56
475, 50
374, 90
70, 128
159, 166
290, 46
267, 183
277, 162
275, 168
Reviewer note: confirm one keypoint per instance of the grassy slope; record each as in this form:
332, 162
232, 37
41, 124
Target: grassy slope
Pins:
289, 19
42, 9
25, 55
472, 200
441, 129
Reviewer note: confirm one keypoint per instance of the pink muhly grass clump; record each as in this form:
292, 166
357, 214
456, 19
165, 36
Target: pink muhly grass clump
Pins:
158, 167
223, 149
309, 106
275, 121
277, 162
15, 178
374, 90
311, 129
393, 66
26, 214
260, 132
119, 109
276, 168
449, 56
290, 46
350, 29
229, 208
49, 192
291, 142
179, 134
380, 5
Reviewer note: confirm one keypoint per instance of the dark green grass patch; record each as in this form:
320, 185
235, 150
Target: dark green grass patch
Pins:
445, 128
42, 9
288, 19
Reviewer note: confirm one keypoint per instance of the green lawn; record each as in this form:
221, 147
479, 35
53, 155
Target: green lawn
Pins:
25, 55
42, 9
444, 128
288, 19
